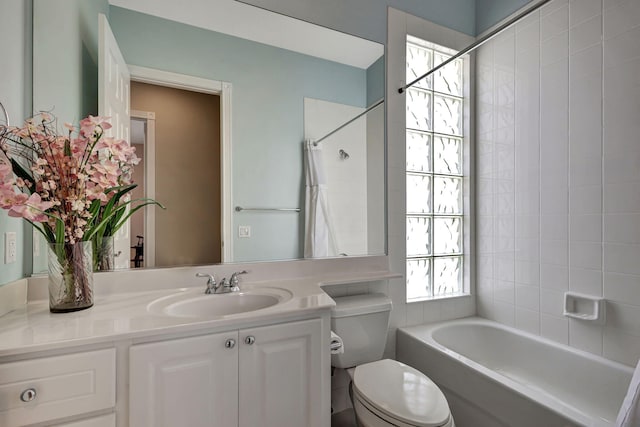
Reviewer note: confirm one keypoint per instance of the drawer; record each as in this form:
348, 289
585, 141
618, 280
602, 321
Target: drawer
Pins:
103, 421
45, 389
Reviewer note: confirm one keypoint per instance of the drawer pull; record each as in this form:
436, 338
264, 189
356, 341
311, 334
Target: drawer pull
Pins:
230, 343
250, 339
28, 395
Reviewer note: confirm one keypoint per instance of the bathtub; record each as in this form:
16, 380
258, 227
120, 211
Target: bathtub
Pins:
494, 375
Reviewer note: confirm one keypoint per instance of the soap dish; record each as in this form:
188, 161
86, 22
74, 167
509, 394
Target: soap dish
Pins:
584, 307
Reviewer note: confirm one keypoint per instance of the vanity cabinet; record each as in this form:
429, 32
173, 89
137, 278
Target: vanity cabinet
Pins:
267, 376
46, 389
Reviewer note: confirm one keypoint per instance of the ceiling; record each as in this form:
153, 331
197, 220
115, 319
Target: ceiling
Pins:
250, 22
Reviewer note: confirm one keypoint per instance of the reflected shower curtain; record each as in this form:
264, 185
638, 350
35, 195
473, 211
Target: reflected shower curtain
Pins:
319, 240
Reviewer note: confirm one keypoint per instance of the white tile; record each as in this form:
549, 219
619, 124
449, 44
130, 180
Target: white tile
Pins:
585, 228
624, 317
622, 288
621, 198
621, 89
586, 170
414, 313
554, 198
527, 250
554, 49
485, 306
504, 312
585, 336
620, 16
527, 226
554, 252
554, 227
586, 200
528, 297
622, 167
554, 328
504, 292
505, 269
432, 311
551, 302
551, 24
528, 320
622, 258
581, 10
587, 62
585, 281
622, 48
621, 347
586, 34
585, 255
527, 273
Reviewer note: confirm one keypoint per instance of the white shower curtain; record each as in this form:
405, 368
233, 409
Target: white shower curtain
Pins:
319, 240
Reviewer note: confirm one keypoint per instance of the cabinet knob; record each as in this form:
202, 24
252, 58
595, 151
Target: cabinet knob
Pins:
28, 395
250, 339
230, 343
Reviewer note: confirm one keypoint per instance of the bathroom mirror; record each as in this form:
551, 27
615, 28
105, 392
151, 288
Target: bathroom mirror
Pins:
289, 81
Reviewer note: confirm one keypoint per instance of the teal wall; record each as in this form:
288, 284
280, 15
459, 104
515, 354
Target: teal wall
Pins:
269, 86
15, 95
375, 81
490, 12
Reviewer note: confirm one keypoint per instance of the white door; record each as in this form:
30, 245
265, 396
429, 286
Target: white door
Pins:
113, 101
280, 375
190, 382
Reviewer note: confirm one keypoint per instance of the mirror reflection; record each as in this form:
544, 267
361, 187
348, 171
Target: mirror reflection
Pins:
240, 90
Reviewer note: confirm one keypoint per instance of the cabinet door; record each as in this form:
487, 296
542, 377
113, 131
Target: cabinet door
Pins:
190, 382
280, 375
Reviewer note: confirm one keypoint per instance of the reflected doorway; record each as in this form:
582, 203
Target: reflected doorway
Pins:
176, 133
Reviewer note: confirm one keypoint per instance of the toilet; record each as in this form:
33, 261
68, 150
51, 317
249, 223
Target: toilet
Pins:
384, 392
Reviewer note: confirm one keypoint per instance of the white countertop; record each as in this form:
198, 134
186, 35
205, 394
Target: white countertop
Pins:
121, 316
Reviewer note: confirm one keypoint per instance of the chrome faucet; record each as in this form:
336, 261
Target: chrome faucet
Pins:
232, 284
212, 286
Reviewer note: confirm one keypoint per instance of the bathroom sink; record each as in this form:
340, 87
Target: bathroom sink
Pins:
199, 305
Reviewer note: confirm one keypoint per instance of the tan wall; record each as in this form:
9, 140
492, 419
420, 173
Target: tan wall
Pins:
187, 173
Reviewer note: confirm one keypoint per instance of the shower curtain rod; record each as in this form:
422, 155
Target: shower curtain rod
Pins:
473, 46
349, 122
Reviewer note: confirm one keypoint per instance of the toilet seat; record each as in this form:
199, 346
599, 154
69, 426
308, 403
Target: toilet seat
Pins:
400, 395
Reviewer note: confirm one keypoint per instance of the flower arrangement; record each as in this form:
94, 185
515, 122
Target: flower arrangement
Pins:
72, 187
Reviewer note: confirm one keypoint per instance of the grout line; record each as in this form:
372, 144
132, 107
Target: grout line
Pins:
602, 164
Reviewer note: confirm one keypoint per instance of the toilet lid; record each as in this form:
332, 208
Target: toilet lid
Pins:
402, 393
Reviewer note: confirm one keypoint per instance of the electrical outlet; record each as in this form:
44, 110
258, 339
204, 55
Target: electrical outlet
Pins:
10, 247
244, 231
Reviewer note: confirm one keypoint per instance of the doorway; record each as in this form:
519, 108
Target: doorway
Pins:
184, 171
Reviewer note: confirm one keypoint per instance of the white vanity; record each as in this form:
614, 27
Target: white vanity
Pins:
156, 357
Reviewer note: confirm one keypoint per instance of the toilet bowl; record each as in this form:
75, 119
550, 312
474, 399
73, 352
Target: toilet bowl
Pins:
385, 393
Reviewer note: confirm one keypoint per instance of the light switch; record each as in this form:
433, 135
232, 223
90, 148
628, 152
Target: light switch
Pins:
244, 231
10, 247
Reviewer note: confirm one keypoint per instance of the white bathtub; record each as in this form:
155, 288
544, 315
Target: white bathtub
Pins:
494, 375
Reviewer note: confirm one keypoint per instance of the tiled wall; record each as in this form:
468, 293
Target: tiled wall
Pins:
403, 314
558, 171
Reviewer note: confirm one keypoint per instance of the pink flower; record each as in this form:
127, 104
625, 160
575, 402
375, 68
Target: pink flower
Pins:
33, 209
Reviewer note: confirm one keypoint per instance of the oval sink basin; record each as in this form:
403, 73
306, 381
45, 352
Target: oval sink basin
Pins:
190, 304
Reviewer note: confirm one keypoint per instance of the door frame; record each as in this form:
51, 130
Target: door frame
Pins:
223, 90
149, 119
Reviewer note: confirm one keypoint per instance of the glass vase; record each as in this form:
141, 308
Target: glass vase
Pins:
104, 256
70, 276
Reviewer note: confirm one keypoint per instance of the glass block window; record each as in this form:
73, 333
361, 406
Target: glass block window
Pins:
434, 170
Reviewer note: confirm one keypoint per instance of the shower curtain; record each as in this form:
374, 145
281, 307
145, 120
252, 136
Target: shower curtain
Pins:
319, 240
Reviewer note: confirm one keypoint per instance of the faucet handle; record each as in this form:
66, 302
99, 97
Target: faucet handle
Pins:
211, 282
234, 277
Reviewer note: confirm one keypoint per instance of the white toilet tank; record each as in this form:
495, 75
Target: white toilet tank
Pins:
362, 322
